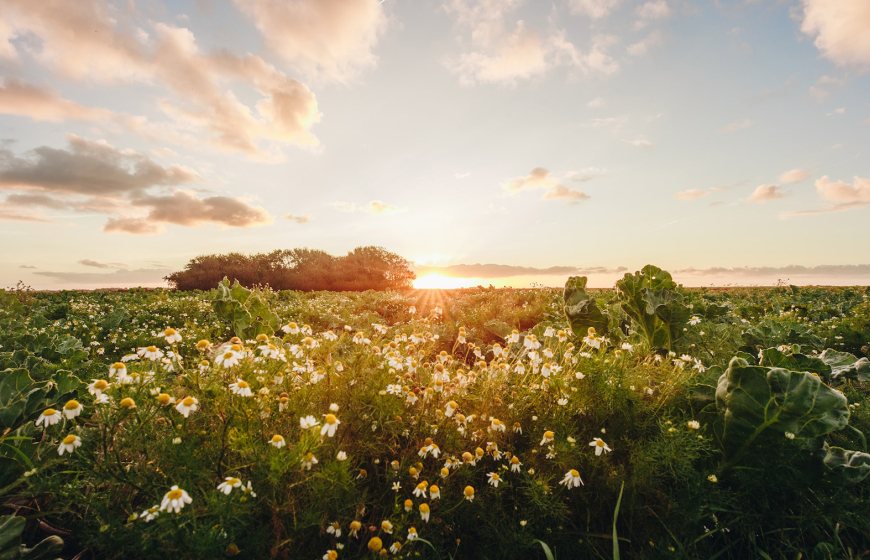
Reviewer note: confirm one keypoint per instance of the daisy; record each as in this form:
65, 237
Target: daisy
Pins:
171, 335
600, 446
445, 472
341, 456
395, 547
309, 461
409, 504
451, 408
203, 345
548, 437
424, 512
187, 405
693, 424
150, 353
412, 533
69, 444
330, 555
387, 527
291, 328
353, 528
241, 388
497, 425
375, 544
127, 402
330, 424
493, 478
307, 422
118, 368
469, 493
277, 441
334, 529
228, 484
72, 408
165, 399
515, 464
227, 359
150, 514
434, 492
97, 386
420, 490
175, 500
572, 479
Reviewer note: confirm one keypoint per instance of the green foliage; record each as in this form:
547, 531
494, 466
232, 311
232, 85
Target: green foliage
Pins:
843, 365
246, 310
655, 305
854, 466
11, 529
581, 309
756, 401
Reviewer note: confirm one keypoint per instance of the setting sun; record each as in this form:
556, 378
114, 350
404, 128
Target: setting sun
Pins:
441, 282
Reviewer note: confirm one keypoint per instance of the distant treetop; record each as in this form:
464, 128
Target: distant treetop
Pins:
364, 268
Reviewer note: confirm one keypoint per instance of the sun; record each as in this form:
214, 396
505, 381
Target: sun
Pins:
434, 281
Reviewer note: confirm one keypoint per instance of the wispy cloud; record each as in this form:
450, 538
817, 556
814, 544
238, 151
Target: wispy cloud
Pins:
839, 196
794, 176
376, 207
553, 186
737, 126
766, 193
478, 270
298, 218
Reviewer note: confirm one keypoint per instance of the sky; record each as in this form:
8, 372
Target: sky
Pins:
513, 142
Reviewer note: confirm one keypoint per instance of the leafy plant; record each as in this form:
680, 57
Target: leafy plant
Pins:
757, 400
652, 300
843, 365
11, 548
853, 465
580, 308
245, 310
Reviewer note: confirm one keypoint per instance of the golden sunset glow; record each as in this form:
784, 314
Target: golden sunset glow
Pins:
434, 281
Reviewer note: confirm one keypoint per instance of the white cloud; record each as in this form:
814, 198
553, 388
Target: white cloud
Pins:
640, 142
841, 30
766, 193
593, 9
332, 39
298, 218
20, 98
794, 176
691, 194
641, 47
841, 192
540, 178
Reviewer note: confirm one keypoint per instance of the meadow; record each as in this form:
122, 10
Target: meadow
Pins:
644, 421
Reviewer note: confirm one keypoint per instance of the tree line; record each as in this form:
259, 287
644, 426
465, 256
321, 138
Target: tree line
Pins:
364, 268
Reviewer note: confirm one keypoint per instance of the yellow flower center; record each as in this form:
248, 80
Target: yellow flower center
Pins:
119, 365
187, 401
69, 439
330, 419
233, 481
376, 544
169, 331
599, 443
409, 503
152, 349
277, 438
355, 525
495, 476
175, 494
445, 471
469, 491
202, 344
71, 404
163, 398
422, 485
574, 473
100, 384
242, 385
127, 402
228, 355
262, 338
236, 347
434, 489
49, 412
548, 434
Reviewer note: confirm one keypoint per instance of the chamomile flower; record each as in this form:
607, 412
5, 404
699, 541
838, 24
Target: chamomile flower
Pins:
175, 500
330, 424
548, 437
375, 544
187, 405
228, 484
227, 359
600, 446
497, 425
69, 444
412, 533
150, 514
493, 478
424, 512
127, 403
420, 490
203, 345
150, 353
118, 369
469, 493
277, 441
515, 464
434, 492
334, 529
387, 526
353, 528
171, 335
165, 399
409, 504
451, 408
97, 386
308, 461
341, 456
572, 479
307, 422
693, 424
330, 555
241, 388
72, 408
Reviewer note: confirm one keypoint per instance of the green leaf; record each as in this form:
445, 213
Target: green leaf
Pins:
846, 366
11, 527
580, 308
654, 304
854, 466
795, 361
755, 400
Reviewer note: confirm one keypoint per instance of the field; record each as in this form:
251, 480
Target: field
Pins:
647, 421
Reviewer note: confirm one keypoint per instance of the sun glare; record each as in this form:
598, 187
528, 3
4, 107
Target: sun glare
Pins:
442, 282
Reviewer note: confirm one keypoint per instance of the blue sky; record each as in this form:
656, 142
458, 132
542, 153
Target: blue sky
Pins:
577, 133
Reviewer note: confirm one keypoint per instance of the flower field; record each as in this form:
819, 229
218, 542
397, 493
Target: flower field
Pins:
646, 421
